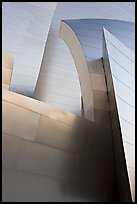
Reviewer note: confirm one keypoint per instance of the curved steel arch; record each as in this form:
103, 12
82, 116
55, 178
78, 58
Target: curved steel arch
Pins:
71, 39
96, 98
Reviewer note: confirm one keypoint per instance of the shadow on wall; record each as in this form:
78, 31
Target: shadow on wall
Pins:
94, 179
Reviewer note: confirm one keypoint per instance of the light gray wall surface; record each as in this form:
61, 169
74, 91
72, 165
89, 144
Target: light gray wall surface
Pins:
58, 82
122, 67
25, 28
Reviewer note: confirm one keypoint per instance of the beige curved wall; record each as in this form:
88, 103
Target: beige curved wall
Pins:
45, 146
70, 38
7, 67
53, 155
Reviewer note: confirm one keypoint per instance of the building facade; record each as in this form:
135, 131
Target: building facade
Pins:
66, 134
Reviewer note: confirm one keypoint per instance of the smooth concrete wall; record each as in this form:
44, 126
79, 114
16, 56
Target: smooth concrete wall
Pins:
119, 62
25, 27
58, 81
52, 155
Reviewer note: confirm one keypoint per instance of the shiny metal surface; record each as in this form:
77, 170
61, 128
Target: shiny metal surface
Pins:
124, 101
58, 147
25, 28
47, 149
57, 56
74, 45
55, 145
124, 94
72, 32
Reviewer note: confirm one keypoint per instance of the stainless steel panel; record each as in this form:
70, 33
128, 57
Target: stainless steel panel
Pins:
118, 72
123, 91
50, 111
129, 114
19, 121
128, 131
6, 75
10, 151
98, 82
100, 151
120, 100
20, 186
95, 176
102, 118
120, 58
101, 100
95, 66
132, 180
43, 160
29, 25
130, 155
60, 136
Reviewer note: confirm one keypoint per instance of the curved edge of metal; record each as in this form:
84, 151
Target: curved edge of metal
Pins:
73, 43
